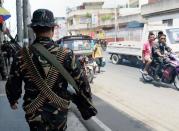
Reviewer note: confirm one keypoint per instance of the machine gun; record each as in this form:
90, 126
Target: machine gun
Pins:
84, 105
13, 41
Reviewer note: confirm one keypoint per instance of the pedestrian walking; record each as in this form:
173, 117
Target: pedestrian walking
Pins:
98, 55
46, 98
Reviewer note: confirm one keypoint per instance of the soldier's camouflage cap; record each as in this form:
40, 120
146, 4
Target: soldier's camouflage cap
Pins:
43, 17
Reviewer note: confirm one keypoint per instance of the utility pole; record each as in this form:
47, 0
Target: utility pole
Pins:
128, 4
31, 36
1, 33
116, 23
19, 21
25, 21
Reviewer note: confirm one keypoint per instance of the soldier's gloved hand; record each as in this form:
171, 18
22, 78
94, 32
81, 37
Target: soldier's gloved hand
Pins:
86, 110
14, 106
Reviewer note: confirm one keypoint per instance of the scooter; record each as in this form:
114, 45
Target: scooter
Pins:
88, 68
89, 72
169, 73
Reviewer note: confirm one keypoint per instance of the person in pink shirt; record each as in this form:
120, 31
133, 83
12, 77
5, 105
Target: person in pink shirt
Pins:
147, 51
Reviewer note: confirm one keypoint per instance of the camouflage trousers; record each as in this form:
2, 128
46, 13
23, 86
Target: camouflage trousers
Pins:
47, 119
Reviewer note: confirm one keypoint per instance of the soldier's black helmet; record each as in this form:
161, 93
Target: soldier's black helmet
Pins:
43, 17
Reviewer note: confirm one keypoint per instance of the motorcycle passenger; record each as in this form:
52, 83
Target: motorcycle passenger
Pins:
147, 52
159, 34
159, 54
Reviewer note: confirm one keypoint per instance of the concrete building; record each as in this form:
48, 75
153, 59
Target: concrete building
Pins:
139, 3
152, 12
1, 25
130, 25
60, 30
90, 18
133, 3
162, 12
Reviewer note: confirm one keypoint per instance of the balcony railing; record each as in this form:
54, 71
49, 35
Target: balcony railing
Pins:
90, 11
107, 22
78, 26
159, 7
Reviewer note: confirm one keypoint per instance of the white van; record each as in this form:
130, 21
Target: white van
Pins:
132, 50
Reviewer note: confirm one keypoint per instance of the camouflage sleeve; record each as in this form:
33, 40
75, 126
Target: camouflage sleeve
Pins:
14, 82
77, 73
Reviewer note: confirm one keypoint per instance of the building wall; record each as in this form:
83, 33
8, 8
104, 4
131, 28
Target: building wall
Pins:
160, 18
93, 7
93, 25
161, 7
139, 3
60, 30
152, 1
133, 3
143, 2
1, 33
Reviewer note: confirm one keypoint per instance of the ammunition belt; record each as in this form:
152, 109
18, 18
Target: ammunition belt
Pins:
44, 86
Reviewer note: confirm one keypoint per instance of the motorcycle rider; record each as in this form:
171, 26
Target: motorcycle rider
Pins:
147, 51
159, 55
159, 34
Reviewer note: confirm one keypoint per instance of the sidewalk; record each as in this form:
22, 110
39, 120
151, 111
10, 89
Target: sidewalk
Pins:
74, 124
14, 120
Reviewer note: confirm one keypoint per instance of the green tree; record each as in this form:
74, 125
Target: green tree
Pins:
88, 15
106, 17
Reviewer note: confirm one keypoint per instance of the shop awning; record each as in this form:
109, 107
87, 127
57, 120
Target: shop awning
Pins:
4, 14
135, 24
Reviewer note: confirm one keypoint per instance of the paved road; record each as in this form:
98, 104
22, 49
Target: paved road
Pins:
122, 87
124, 102
110, 118
117, 120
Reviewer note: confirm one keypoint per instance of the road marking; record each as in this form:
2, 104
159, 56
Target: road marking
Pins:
101, 124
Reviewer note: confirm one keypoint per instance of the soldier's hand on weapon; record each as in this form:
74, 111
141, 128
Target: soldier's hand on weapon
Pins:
14, 106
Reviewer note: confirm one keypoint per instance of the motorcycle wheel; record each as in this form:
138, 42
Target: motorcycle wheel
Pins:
176, 82
146, 78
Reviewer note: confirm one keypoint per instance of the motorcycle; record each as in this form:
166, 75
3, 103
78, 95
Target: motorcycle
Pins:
88, 67
169, 73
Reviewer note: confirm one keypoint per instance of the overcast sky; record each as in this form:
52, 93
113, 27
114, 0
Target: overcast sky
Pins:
57, 6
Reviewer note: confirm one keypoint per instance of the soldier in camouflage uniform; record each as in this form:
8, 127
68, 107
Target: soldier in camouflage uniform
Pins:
48, 117
2, 70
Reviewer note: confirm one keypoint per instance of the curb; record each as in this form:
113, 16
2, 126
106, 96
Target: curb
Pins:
90, 124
